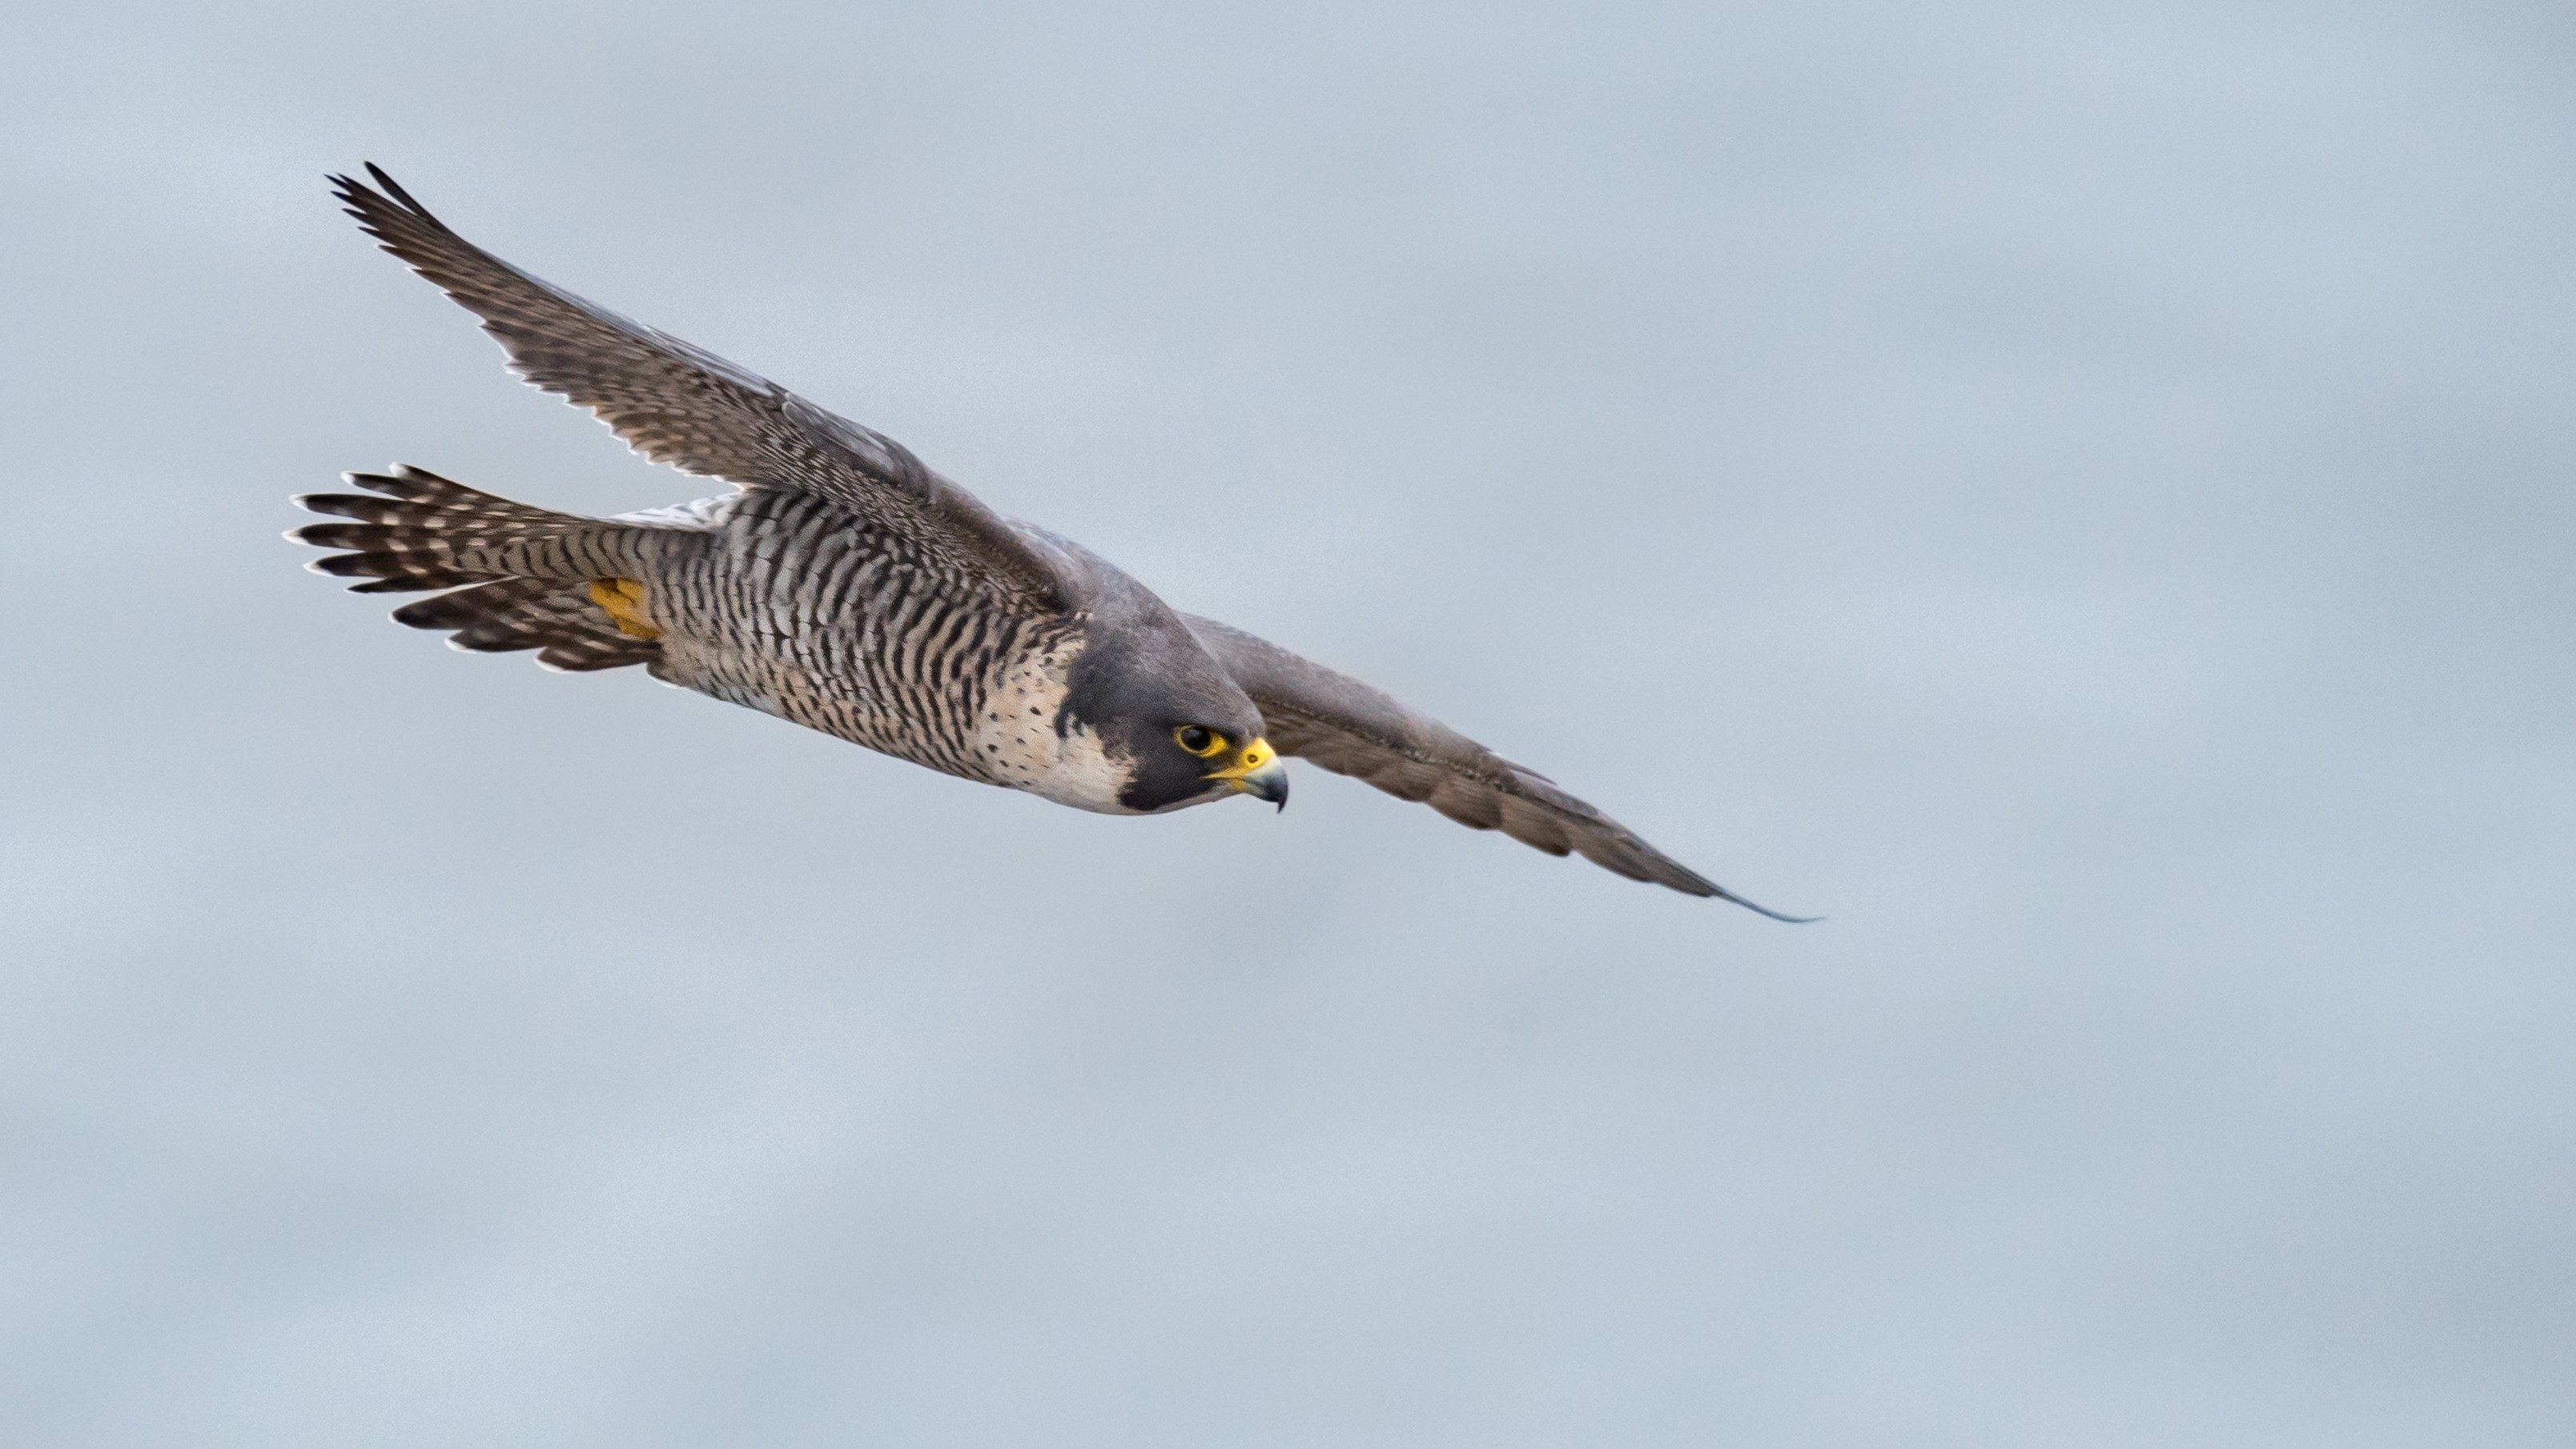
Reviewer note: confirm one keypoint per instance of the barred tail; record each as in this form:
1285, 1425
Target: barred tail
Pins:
522, 577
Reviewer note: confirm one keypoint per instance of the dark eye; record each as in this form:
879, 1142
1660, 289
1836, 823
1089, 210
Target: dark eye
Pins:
1199, 740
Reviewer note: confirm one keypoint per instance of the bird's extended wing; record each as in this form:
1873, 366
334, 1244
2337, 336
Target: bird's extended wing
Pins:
701, 414
1350, 729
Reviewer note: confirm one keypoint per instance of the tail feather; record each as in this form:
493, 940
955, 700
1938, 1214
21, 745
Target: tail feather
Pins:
518, 577
419, 486
386, 578
395, 570
413, 584
466, 606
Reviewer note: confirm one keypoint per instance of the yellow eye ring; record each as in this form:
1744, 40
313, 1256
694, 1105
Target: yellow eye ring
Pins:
1199, 740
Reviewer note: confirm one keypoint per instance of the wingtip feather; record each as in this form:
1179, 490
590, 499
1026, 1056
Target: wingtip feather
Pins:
393, 189
1728, 895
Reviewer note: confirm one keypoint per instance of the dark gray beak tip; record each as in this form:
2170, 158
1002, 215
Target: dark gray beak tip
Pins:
1269, 782
1270, 785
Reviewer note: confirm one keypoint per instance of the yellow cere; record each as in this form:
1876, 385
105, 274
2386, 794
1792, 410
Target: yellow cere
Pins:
1256, 756
624, 601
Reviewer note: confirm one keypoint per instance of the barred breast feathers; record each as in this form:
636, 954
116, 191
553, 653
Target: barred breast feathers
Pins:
804, 611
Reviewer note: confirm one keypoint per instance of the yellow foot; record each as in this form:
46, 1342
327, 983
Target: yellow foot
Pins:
624, 601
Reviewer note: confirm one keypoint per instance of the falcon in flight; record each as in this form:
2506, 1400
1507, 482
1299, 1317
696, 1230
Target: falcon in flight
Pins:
848, 588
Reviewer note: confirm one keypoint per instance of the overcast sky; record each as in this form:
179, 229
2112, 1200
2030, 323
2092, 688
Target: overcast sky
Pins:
2080, 496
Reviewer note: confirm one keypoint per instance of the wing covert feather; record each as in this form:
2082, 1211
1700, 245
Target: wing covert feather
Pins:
1349, 728
684, 406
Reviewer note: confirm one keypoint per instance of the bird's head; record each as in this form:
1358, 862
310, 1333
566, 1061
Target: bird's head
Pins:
1177, 726
1195, 763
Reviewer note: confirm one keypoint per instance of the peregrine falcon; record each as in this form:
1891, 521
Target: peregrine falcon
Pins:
847, 587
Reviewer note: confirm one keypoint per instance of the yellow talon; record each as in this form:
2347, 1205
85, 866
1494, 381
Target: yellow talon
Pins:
623, 599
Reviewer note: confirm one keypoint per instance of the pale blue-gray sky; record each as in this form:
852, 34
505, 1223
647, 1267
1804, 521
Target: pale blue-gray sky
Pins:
2080, 496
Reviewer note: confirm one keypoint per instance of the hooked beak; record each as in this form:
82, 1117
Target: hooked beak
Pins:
1258, 772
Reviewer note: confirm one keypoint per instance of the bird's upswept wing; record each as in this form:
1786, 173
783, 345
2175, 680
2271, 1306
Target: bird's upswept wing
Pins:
697, 412
1351, 729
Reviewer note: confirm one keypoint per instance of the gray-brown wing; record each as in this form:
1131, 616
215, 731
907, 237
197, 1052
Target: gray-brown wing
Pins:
699, 413
1351, 729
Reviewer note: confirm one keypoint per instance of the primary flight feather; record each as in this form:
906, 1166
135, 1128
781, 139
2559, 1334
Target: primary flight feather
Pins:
849, 588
